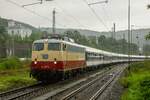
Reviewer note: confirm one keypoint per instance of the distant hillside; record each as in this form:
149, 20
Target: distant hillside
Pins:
82, 31
141, 33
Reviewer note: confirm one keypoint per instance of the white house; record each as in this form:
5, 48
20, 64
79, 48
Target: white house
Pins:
15, 28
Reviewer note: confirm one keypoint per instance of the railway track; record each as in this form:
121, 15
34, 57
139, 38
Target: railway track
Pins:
12, 94
80, 90
30, 92
106, 85
90, 89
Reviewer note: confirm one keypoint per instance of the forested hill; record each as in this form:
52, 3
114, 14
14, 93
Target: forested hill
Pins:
82, 31
99, 40
141, 33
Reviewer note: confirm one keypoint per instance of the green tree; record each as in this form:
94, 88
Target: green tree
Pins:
103, 43
146, 49
147, 37
17, 38
3, 35
35, 36
80, 39
3, 38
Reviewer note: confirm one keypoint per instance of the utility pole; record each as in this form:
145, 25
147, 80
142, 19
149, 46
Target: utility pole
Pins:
54, 12
13, 44
131, 36
123, 44
137, 37
114, 30
129, 31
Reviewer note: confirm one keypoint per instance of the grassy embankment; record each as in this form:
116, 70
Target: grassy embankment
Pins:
14, 73
137, 82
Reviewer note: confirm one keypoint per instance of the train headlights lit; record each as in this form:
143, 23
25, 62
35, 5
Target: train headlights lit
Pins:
35, 62
55, 62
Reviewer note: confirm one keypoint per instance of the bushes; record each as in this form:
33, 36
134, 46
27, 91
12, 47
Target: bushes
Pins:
10, 63
15, 80
145, 88
137, 82
18, 81
14, 73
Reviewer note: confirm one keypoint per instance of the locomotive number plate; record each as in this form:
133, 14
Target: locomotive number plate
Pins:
45, 56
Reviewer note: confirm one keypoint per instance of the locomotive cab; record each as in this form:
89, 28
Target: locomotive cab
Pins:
53, 58
47, 58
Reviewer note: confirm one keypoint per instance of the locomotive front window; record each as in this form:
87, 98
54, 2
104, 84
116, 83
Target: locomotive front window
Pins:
38, 46
54, 46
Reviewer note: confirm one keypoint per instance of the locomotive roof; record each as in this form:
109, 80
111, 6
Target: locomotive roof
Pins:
88, 49
46, 40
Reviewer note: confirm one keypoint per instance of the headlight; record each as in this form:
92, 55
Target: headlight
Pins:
55, 62
35, 62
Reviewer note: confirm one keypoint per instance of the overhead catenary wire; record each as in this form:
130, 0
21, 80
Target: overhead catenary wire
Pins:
96, 15
60, 14
112, 18
31, 11
70, 15
107, 15
32, 4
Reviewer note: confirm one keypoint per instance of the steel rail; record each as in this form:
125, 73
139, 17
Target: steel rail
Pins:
71, 94
103, 88
17, 90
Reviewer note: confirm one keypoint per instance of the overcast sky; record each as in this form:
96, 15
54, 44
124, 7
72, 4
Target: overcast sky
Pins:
77, 14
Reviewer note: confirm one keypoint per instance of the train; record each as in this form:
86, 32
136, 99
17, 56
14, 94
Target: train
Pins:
60, 58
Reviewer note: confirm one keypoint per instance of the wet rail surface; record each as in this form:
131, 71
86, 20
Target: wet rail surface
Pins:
108, 82
12, 94
87, 90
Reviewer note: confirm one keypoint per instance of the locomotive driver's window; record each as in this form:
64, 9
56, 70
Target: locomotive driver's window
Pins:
54, 46
38, 46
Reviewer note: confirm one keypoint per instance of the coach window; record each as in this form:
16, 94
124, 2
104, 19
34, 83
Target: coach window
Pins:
54, 46
38, 46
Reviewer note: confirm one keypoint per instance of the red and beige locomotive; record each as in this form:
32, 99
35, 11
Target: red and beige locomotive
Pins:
55, 59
